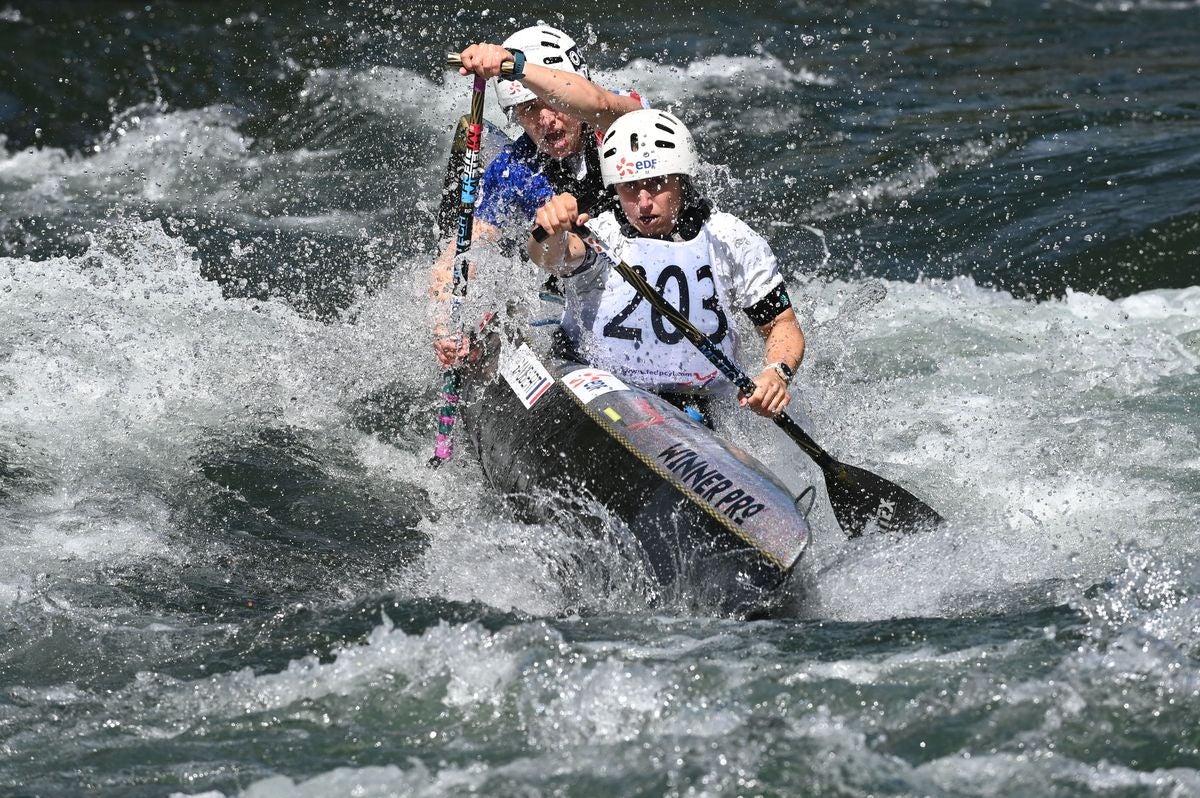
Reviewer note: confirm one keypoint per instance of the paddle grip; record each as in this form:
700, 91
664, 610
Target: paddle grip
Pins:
453, 60
540, 233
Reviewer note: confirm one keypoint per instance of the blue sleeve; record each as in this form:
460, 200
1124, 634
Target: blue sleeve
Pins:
513, 189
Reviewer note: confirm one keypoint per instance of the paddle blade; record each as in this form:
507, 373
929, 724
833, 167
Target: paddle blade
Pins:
864, 501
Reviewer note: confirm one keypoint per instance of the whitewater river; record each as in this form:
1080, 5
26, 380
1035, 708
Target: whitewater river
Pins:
225, 570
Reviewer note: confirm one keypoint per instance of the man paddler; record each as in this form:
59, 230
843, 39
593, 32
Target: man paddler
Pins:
561, 112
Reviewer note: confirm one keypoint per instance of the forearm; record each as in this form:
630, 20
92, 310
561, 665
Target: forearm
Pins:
576, 95
784, 340
784, 344
559, 254
441, 277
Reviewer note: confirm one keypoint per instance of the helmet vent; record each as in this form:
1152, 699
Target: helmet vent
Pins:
633, 142
669, 145
555, 45
664, 128
610, 153
552, 59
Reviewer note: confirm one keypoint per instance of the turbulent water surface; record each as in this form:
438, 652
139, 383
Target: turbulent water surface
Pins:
225, 571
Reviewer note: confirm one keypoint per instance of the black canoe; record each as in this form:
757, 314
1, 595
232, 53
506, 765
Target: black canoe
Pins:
710, 519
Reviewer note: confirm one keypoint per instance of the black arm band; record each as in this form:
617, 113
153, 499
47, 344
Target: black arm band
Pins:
589, 260
766, 309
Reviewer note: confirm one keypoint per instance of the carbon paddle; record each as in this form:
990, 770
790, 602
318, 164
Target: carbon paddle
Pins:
859, 498
468, 192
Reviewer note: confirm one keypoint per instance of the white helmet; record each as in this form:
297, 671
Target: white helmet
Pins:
646, 143
542, 45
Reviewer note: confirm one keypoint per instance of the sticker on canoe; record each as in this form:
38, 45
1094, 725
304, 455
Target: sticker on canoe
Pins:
588, 383
525, 374
721, 491
650, 417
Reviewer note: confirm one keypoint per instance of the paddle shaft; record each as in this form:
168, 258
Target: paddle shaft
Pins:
469, 179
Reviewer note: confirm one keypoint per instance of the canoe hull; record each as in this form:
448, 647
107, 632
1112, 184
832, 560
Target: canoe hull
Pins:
709, 519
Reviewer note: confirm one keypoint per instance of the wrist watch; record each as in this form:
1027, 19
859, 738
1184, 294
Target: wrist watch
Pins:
783, 370
518, 69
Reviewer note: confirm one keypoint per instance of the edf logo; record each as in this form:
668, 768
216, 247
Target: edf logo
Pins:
625, 167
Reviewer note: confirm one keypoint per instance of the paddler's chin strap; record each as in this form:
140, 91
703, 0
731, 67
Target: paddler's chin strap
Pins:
694, 211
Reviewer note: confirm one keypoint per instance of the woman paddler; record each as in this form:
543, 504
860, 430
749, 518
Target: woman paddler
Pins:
705, 262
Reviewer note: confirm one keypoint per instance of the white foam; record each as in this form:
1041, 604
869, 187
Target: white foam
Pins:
374, 782
1030, 773
1135, 6
402, 95
175, 161
463, 667
907, 182
728, 77
1016, 421
118, 366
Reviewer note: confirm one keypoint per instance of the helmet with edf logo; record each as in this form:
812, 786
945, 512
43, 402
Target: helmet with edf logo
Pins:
542, 45
646, 143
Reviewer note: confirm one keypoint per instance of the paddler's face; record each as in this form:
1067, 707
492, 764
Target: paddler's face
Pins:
555, 133
652, 205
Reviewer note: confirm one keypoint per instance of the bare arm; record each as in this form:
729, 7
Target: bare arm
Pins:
785, 339
448, 343
563, 91
561, 253
784, 344
577, 96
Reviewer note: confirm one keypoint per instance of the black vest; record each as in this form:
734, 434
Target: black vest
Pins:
590, 194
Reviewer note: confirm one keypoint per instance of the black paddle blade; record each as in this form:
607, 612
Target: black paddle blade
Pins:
862, 500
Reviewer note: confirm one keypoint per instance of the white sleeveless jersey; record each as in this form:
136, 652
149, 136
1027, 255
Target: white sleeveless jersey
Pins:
726, 268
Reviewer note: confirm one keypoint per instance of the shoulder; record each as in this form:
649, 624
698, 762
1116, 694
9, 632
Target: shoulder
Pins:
744, 255
727, 227
736, 234
514, 182
516, 169
740, 239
